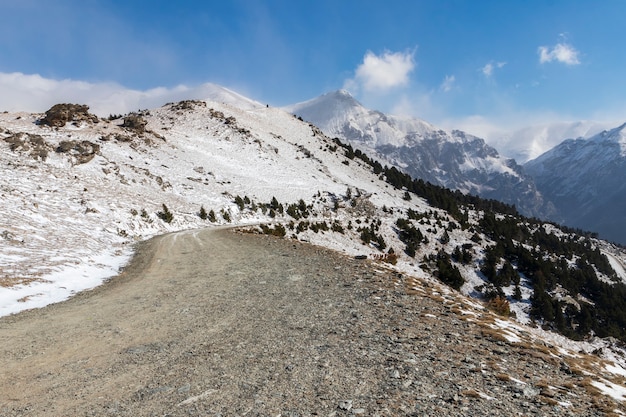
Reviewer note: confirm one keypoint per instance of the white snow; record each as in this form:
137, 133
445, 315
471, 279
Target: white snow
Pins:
615, 369
68, 227
615, 391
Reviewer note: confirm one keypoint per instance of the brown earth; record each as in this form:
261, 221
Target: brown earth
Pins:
224, 324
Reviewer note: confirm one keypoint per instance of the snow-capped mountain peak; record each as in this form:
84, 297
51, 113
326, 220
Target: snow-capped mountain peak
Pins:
216, 93
616, 135
452, 159
339, 114
584, 179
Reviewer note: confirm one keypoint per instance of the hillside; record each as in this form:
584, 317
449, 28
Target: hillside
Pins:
79, 191
583, 177
454, 159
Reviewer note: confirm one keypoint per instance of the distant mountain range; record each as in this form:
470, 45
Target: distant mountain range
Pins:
531, 141
578, 183
455, 159
584, 178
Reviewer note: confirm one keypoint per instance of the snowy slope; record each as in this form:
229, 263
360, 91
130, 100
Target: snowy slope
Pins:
70, 225
75, 199
452, 159
585, 180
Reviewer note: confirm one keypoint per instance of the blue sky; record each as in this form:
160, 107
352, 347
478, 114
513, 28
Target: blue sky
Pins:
462, 64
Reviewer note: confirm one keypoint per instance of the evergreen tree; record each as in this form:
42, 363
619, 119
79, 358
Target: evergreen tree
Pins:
165, 215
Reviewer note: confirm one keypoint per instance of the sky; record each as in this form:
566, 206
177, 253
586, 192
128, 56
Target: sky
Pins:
489, 67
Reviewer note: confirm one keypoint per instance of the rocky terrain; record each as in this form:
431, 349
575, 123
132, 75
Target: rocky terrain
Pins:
217, 323
79, 197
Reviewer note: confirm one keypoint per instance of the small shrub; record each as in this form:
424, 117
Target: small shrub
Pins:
302, 226
144, 215
293, 211
165, 215
277, 230
448, 273
500, 306
240, 203
389, 257
212, 218
337, 227
203, 214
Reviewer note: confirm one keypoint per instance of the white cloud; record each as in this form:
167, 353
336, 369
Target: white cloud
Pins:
561, 52
487, 70
33, 93
415, 104
382, 72
448, 83
524, 135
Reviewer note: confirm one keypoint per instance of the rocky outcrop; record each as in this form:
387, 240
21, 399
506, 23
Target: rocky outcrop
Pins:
60, 114
135, 122
34, 145
82, 151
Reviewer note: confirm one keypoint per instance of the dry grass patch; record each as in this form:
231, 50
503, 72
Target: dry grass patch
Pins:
605, 405
500, 306
503, 377
471, 393
8, 282
493, 334
456, 310
548, 400
389, 258
415, 291
435, 297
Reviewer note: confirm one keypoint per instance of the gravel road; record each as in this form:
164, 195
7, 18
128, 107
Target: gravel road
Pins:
217, 323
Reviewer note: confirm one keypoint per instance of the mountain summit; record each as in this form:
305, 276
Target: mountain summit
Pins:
585, 180
339, 114
453, 159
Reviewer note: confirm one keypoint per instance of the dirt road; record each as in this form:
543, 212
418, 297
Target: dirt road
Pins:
219, 323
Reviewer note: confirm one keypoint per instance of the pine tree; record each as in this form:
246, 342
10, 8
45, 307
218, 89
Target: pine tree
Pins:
165, 215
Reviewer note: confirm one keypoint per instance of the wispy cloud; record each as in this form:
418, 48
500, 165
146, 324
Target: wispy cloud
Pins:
382, 72
448, 83
561, 52
488, 69
34, 93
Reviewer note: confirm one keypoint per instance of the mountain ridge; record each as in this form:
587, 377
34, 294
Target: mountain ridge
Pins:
79, 195
453, 159
583, 177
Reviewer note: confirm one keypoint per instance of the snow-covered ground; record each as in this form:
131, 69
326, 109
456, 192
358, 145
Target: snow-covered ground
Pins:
69, 222
69, 226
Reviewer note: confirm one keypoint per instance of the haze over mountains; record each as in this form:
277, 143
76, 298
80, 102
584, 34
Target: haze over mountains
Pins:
466, 163
530, 142
585, 179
